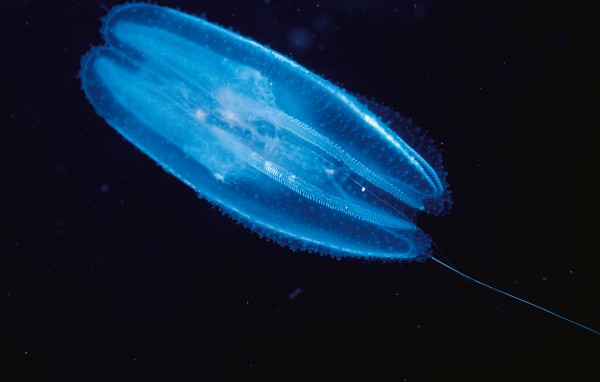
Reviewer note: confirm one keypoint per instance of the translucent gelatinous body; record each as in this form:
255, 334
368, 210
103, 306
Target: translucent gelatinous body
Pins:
279, 149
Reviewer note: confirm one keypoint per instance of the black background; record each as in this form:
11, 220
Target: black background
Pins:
113, 270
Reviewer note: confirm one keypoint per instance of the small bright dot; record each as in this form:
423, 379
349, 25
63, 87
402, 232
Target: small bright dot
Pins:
329, 171
363, 189
200, 115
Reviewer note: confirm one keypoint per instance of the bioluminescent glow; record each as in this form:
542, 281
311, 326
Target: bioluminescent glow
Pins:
281, 150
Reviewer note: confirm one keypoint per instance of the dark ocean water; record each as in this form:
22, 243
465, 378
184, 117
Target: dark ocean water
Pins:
113, 270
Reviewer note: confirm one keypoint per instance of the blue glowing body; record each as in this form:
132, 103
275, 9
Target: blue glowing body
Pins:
279, 149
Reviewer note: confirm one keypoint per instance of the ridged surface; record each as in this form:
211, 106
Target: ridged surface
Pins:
279, 149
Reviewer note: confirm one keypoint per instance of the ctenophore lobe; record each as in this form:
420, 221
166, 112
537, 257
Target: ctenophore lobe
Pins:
277, 148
